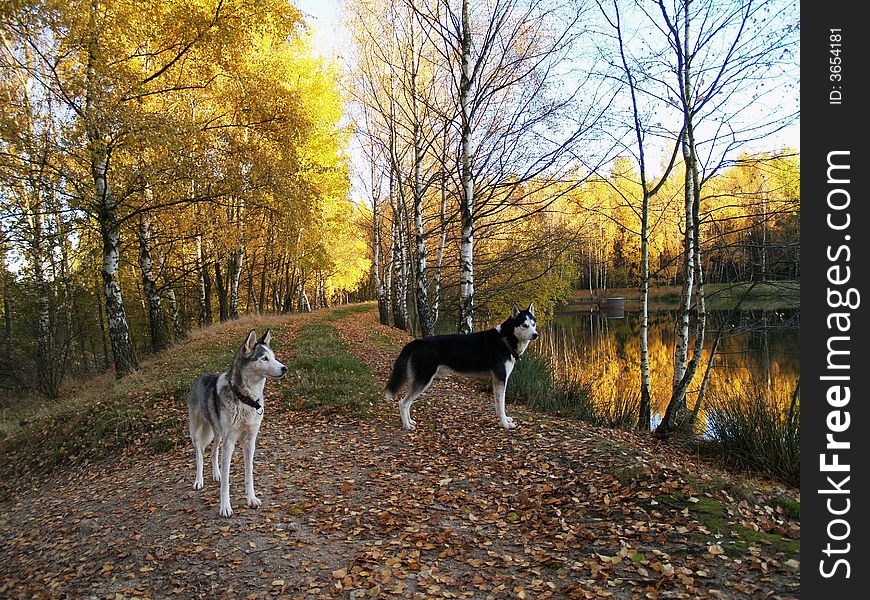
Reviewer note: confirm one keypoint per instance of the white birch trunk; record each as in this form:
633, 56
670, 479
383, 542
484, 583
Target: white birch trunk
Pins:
380, 287
238, 258
645, 383
110, 230
682, 345
439, 261
466, 248
204, 317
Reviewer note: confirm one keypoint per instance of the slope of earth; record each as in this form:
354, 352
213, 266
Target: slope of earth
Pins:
355, 507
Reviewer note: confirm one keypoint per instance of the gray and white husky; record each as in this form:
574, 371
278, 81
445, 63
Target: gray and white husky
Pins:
228, 408
491, 353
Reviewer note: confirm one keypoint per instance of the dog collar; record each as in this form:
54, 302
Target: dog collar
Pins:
246, 399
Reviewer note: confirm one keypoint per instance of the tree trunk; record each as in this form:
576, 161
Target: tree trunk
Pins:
380, 287
252, 306
235, 271
466, 250
677, 402
400, 269
442, 243
222, 292
205, 317
156, 318
645, 384
45, 359
110, 231
262, 303
107, 364
171, 302
74, 325
236, 262
424, 313
5, 353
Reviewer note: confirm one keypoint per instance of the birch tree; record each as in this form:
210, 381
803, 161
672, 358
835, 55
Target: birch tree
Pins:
518, 131
723, 58
629, 68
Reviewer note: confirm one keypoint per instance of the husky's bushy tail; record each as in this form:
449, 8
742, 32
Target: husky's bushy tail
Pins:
399, 375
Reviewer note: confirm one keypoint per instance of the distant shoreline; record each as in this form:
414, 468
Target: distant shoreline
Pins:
720, 296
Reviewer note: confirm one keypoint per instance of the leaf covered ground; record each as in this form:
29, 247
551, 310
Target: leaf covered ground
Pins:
355, 507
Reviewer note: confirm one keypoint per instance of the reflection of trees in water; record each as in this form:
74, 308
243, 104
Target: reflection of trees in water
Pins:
759, 350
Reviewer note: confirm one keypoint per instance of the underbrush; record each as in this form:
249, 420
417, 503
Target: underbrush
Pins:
533, 383
756, 432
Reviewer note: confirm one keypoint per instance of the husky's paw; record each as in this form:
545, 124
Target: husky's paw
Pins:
226, 511
254, 502
198, 485
508, 423
412, 425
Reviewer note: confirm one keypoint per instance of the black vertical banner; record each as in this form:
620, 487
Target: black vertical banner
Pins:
835, 300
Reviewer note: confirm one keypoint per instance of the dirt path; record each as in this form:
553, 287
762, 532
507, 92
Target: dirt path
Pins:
355, 507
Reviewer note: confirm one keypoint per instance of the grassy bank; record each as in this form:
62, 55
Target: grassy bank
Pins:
749, 430
323, 375
755, 432
101, 417
535, 384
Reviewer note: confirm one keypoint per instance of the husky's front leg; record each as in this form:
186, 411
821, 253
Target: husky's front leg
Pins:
229, 444
499, 387
248, 450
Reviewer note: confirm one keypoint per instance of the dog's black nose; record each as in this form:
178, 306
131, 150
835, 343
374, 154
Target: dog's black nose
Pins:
535, 337
283, 370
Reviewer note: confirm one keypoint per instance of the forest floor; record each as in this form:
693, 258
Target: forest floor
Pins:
355, 507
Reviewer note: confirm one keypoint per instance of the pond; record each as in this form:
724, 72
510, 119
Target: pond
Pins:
758, 356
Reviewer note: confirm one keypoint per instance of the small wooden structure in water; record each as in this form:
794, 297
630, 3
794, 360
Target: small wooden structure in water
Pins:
612, 308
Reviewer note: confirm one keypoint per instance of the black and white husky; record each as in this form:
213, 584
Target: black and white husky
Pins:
491, 353
229, 407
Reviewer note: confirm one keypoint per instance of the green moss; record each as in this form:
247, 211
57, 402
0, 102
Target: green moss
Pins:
735, 538
791, 507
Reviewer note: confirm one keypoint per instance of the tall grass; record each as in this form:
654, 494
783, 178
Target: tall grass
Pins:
533, 382
755, 431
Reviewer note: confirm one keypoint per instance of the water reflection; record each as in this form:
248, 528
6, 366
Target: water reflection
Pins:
759, 353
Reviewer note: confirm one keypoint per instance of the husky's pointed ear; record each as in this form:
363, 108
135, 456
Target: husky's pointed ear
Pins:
267, 337
250, 342
531, 309
515, 311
